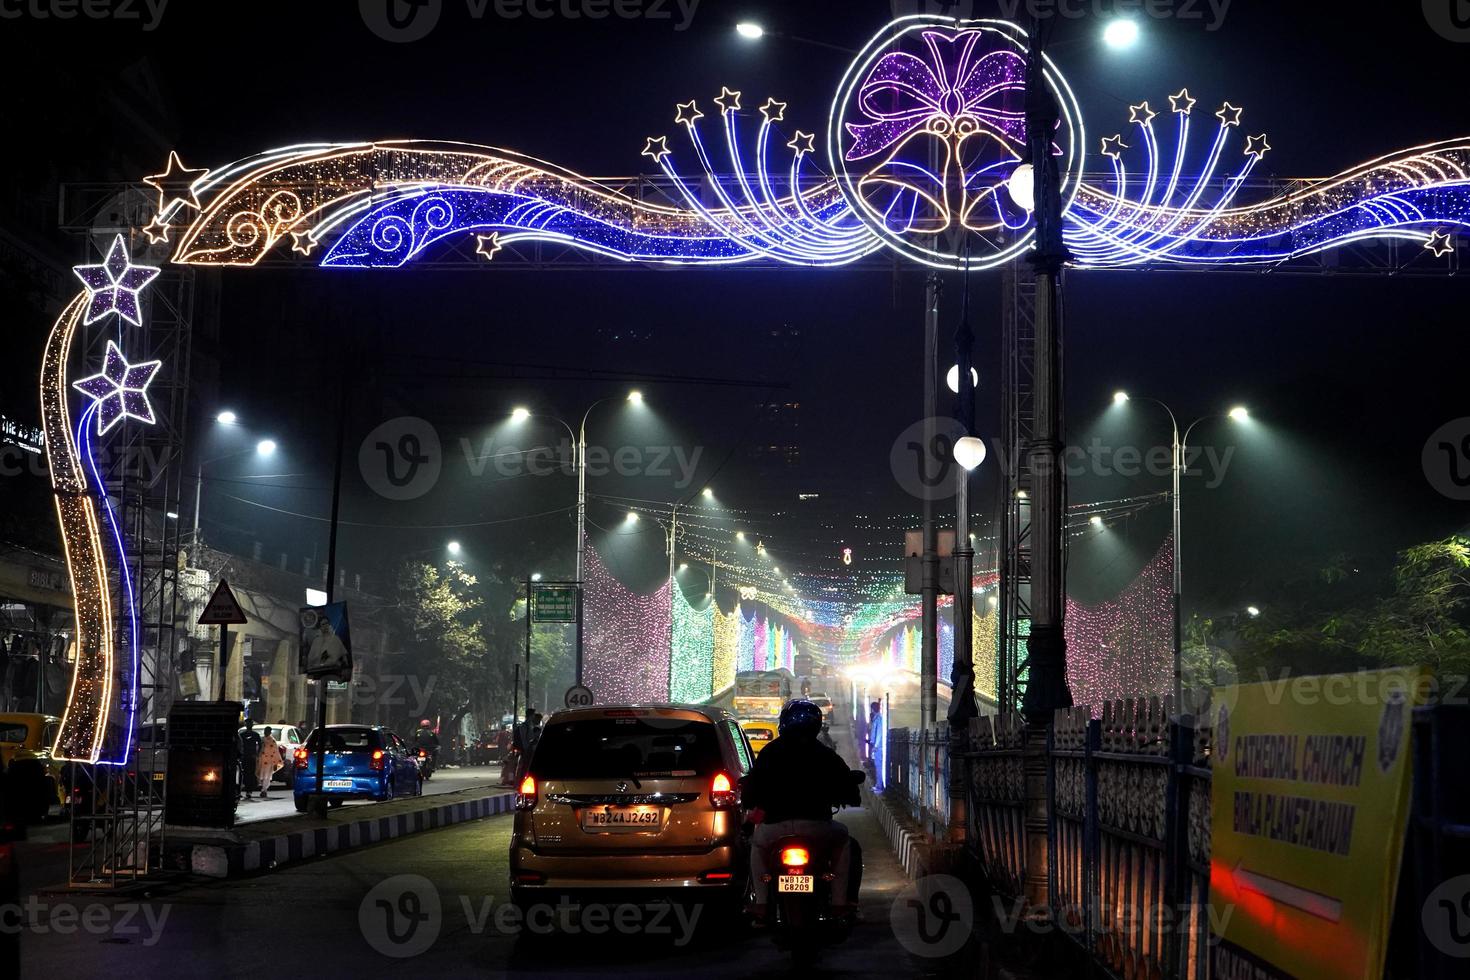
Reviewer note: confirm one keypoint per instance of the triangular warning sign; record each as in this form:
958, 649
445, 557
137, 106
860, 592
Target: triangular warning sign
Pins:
222, 609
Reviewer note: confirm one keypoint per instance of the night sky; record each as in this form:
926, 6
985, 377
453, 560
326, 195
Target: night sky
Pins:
1346, 377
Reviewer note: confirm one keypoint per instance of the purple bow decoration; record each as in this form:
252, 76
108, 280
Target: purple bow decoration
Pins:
903, 91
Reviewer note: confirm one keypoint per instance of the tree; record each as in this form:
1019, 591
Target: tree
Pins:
1426, 620
441, 629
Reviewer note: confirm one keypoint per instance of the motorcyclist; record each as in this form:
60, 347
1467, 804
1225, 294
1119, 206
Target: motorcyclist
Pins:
795, 782
426, 740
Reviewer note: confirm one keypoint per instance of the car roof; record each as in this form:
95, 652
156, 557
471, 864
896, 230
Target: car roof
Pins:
689, 712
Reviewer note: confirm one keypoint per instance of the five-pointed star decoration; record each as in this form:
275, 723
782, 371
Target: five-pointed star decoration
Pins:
1440, 243
120, 391
657, 148
1229, 115
488, 245
1256, 146
803, 143
114, 285
156, 230
1113, 146
302, 243
687, 113
176, 184
727, 100
773, 111
1182, 103
1141, 114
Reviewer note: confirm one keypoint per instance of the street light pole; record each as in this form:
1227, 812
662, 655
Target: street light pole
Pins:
962, 672
581, 453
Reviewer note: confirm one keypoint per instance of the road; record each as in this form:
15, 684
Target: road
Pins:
322, 919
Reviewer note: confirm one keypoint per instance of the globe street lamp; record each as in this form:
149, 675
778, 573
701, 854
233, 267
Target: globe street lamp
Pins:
1180, 448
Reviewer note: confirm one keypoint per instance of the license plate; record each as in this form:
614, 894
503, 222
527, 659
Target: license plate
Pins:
633, 817
794, 883
337, 783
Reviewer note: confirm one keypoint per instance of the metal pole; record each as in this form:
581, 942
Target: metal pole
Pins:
929, 558
673, 540
198, 497
1178, 576
962, 672
581, 532
319, 799
529, 583
1046, 684
515, 694
224, 657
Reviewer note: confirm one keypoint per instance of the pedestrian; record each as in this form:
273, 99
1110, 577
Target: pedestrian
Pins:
249, 758
270, 760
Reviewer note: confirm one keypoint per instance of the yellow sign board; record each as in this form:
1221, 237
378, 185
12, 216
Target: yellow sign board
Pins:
1310, 800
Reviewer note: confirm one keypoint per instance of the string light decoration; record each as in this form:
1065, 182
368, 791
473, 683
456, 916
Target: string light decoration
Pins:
1124, 647
692, 672
923, 82
87, 731
627, 638
726, 648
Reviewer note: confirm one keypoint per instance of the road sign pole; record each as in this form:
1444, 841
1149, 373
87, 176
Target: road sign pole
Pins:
224, 656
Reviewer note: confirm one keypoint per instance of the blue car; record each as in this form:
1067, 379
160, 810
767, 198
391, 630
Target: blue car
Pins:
362, 762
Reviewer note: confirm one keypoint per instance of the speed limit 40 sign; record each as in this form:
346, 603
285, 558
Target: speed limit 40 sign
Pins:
578, 697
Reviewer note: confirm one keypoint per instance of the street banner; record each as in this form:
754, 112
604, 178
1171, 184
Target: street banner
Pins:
554, 604
326, 642
1309, 807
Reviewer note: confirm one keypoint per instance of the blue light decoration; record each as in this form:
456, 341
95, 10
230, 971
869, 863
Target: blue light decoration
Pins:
925, 156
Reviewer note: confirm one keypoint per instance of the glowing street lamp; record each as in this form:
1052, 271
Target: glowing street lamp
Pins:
1181, 448
1121, 33
635, 397
953, 378
708, 493
454, 548
520, 414
750, 30
1095, 520
227, 417
266, 447
1252, 611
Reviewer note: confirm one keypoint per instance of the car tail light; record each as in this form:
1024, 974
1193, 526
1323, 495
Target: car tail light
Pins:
300, 756
795, 857
378, 759
722, 791
423, 753
526, 794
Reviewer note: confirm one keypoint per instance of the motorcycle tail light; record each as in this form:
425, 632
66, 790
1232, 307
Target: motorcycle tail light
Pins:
721, 791
526, 794
377, 759
795, 857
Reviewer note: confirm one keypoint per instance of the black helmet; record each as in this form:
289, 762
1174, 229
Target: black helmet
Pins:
801, 717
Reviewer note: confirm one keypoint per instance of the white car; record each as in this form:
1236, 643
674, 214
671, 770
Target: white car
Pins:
290, 739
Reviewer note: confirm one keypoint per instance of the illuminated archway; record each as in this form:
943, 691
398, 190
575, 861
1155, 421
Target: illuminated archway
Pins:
926, 88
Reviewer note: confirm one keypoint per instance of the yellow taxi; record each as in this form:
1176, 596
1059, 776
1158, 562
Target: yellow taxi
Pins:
25, 755
759, 732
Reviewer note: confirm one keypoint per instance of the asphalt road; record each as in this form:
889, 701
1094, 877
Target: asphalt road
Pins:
442, 892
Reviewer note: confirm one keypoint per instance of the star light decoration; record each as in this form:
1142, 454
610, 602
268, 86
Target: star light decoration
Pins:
120, 390
114, 284
1440, 244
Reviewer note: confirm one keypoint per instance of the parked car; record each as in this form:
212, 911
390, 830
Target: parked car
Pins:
35, 776
361, 762
760, 732
633, 796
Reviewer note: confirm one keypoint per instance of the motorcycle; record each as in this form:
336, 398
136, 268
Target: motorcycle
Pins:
426, 763
799, 892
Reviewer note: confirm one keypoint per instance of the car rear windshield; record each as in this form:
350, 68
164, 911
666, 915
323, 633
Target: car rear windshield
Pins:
611, 748
344, 739
13, 731
759, 734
